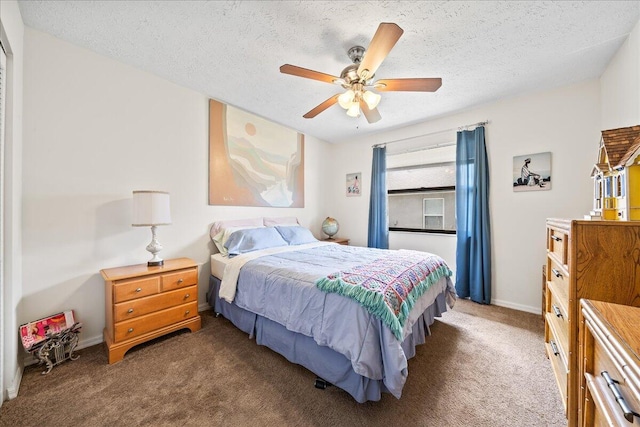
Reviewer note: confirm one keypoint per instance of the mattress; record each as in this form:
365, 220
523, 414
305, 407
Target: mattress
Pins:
218, 263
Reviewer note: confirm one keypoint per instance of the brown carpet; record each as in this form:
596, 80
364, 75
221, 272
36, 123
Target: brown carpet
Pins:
482, 366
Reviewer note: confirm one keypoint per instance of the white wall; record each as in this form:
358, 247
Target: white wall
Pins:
563, 121
620, 85
95, 130
12, 29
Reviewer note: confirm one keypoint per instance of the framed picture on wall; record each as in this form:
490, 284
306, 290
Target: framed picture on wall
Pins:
353, 184
532, 172
253, 161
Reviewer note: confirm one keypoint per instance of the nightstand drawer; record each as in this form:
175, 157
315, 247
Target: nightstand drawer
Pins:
180, 279
150, 322
139, 307
131, 289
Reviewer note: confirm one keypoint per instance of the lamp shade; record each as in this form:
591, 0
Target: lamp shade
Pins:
372, 99
354, 110
151, 208
346, 99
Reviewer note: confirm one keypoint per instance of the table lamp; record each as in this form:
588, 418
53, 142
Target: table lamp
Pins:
150, 209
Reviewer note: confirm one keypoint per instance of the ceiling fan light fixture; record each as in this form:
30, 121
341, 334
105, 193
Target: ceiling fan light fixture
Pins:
346, 99
372, 99
354, 110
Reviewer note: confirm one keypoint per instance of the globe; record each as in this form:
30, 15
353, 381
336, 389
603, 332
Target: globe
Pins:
330, 226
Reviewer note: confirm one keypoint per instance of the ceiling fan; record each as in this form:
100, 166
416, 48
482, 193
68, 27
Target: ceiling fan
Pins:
357, 78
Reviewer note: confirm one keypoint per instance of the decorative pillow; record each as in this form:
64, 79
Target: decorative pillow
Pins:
221, 238
219, 226
296, 235
283, 220
252, 239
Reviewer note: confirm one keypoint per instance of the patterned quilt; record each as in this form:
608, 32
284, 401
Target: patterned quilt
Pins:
388, 287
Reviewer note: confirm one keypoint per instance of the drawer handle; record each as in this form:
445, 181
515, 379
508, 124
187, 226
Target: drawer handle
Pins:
613, 386
187, 296
130, 330
139, 290
130, 310
557, 311
187, 312
180, 280
554, 348
556, 272
556, 238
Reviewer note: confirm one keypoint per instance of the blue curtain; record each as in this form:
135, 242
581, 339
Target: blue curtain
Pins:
378, 227
473, 252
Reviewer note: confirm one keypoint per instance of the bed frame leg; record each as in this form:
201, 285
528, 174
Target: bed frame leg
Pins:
322, 384
216, 314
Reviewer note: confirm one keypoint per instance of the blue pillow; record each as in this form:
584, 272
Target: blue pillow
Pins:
295, 235
252, 239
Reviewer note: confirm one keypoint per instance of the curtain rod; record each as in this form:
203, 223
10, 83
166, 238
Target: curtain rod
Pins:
459, 128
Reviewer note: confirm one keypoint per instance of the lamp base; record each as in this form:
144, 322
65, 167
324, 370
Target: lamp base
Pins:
154, 247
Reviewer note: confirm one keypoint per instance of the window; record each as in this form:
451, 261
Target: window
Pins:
433, 213
421, 190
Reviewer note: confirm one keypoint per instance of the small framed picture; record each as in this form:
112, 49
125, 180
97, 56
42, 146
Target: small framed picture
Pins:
532, 172
353, 184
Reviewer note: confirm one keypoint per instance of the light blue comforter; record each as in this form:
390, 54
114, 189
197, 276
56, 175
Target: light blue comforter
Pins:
281, 287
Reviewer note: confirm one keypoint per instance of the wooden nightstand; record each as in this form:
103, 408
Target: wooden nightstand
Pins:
338, 240
142, 303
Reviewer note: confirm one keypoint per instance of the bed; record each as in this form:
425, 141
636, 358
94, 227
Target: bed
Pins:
292, 296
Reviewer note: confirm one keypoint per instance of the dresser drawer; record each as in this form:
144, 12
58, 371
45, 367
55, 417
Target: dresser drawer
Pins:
608, 366
605, 413
179, 279
558, 324
557, 243
141, 306
559, 298
559, 368
150, 322
559, 276
602, 364
130, 289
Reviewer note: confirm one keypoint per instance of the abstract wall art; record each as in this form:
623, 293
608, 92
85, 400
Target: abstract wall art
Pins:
252, 161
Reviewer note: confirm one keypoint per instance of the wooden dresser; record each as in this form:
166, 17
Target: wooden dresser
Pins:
610, 364
598, 260
142, 303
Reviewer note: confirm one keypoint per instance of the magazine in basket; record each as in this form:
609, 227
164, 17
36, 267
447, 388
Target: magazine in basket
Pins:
33, 333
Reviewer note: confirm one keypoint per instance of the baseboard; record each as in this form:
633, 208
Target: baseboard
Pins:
519, 307
204, 307
12, 390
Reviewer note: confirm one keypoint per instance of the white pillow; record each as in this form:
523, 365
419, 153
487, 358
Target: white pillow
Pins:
219, 226
280, 220
221, 238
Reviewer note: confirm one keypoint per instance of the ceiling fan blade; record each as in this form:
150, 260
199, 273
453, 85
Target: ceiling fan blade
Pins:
372, 115
308, 74
383, 41
415, 85
320, 108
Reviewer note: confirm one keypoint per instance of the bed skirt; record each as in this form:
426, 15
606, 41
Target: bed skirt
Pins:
322, 361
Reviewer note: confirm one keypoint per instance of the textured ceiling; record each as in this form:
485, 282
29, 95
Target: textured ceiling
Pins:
232, 50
